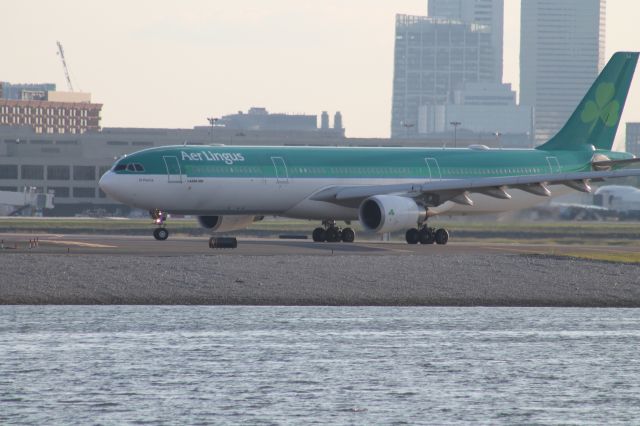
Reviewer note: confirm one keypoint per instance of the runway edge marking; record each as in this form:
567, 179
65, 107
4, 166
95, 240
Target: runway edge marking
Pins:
79, 244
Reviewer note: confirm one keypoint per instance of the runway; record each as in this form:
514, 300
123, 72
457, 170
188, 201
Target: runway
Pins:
183, 246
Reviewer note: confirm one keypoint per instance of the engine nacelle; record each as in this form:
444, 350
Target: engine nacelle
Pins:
388, 213
225, 223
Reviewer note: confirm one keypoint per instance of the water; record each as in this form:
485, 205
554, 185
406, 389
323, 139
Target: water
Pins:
314, 365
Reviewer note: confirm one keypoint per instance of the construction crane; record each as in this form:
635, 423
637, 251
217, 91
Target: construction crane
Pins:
64, 65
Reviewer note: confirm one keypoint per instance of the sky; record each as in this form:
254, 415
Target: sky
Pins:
173, 64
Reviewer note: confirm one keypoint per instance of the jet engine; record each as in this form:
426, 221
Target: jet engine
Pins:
388, 213
225, 223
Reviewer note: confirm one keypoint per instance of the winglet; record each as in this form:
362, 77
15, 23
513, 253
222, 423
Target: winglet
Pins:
596, 120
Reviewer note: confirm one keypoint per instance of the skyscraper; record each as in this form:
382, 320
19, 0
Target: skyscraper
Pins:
632, 142
434, 57
561, 53
484, 12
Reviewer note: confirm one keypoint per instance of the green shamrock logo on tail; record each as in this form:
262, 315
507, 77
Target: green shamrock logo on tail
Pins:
604, 108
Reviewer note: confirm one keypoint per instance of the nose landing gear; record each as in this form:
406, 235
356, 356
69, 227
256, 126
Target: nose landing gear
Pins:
159, 218
160, 234
330, 233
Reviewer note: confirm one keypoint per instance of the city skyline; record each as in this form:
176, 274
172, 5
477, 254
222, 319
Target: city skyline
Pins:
166, 65
560, 58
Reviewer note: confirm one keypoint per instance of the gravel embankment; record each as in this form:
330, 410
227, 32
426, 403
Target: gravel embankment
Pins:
460, 280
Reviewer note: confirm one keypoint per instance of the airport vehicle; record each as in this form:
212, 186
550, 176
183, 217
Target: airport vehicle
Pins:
386, 189
27, 202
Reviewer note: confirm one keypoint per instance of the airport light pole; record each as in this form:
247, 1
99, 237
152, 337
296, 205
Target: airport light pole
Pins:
455, 125
212, 121
498, 138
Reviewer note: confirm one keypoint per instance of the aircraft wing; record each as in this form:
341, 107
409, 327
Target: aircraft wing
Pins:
457, 190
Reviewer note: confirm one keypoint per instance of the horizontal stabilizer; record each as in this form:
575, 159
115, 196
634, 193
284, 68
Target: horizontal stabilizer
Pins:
613, 163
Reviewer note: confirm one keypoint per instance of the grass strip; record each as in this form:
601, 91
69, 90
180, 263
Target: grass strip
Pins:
608, 256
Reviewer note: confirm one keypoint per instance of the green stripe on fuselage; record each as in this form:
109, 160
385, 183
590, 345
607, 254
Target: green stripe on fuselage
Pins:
352, 162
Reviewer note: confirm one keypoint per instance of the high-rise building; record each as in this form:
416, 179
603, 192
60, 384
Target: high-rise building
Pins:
25, 92
434, 57
39, 106
484, 12
561, 54
481, 109
632, 140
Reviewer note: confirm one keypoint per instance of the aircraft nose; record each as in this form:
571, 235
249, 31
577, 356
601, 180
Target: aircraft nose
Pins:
108, 184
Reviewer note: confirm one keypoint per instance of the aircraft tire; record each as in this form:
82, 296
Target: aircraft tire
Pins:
348, 236
412, 236
427, 236
319, 236
332, 235
160, 234
442, 236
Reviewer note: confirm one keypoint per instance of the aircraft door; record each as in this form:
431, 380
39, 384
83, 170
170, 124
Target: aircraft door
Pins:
433, 169
282, 175
174, 174
554, 164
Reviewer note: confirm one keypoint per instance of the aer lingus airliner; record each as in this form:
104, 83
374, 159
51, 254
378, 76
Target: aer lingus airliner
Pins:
386, 189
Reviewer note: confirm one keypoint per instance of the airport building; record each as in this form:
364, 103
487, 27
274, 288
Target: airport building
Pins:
632, 139
561, 53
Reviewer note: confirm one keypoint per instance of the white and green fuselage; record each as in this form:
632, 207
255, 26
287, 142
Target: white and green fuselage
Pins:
213, 180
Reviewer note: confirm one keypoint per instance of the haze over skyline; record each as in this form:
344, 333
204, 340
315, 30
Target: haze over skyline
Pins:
165, 64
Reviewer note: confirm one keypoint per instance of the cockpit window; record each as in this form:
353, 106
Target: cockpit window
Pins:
131, 167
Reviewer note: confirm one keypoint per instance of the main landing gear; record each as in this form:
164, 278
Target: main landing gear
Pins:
159, 218
330, 233
427, 235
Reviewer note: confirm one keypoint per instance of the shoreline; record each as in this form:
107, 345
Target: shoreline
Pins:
439, 279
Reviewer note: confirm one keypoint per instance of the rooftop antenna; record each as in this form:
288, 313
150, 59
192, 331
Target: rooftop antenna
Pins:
64, 65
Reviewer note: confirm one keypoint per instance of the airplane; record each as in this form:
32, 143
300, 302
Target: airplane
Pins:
622, 200
386, 189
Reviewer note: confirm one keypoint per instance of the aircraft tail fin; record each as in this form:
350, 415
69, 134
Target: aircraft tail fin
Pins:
596, 120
